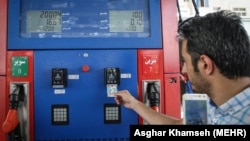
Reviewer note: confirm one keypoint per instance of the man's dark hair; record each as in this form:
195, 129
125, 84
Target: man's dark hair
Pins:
222, 37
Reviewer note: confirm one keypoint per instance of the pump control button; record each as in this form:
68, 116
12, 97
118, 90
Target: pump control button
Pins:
85, 68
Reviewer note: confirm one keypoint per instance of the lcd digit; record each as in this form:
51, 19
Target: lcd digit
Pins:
44, 21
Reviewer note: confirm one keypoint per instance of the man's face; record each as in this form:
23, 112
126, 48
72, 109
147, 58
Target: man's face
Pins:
199, 83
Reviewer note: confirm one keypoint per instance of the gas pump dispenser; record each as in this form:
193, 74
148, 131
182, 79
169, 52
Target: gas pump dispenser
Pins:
79, 54
71, 56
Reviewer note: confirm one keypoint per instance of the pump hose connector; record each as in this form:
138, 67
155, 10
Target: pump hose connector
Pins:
153, 94
16, 96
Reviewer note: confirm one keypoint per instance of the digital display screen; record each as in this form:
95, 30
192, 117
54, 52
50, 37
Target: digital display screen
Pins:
44, 21
91, 18
84, 24
126, 21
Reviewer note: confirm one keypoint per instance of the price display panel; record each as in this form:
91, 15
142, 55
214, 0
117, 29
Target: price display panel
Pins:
74, 24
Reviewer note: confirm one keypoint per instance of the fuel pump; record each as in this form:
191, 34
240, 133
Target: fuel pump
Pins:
153, 95
116, 32
11, 125
151, 91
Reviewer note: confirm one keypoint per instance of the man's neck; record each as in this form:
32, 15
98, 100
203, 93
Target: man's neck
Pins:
224, 89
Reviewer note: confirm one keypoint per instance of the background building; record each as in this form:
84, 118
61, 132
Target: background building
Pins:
242, 7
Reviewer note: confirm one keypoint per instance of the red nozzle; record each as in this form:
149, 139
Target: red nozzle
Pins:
156, 108
11, 121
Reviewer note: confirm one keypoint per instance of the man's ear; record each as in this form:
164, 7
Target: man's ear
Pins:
206, 64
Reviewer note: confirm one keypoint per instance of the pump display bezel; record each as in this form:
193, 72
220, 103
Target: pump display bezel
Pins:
15, 41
